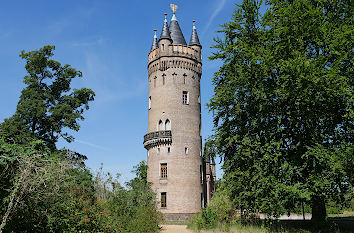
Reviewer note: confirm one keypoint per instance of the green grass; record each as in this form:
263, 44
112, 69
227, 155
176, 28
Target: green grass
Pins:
233, 228
249, 229
344, 214
288, 226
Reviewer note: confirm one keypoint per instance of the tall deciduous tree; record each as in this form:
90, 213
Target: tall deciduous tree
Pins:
283, 104
47, 105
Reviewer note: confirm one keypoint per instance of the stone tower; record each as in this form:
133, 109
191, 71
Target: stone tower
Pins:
173, 142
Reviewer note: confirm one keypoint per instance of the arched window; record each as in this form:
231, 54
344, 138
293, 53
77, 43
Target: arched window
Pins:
168, 124
160, 125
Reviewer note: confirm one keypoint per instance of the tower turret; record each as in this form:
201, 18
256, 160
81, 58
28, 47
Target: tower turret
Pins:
194, 37
176, 32
155, 44
165, 37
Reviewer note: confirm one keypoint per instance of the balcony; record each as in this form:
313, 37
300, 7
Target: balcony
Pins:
157, 138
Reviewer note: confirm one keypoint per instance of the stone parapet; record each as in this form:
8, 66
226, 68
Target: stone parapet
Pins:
177, 56
157, 138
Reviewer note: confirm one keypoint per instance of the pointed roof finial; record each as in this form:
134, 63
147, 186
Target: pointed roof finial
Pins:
165, 33
174, 9
194, 37
155, 44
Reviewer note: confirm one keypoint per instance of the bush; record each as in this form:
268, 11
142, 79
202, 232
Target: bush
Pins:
51, 194
222, 205
219, 213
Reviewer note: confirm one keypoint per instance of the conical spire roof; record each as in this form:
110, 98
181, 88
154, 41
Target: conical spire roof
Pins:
194, 37
212, 161
165, 33
176, 32
155, 44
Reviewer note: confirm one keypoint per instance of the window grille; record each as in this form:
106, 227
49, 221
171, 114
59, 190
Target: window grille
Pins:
163, 200
163, 170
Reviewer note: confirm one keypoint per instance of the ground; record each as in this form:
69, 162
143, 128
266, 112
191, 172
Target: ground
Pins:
175, 229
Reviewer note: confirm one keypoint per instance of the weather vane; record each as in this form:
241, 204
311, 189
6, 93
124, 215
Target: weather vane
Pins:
173, 7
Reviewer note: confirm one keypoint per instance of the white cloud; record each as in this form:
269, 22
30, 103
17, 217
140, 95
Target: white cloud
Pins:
88, 43
91, 144
219, 7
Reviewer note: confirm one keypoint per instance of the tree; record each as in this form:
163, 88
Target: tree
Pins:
47, 105
283, 105
42, 190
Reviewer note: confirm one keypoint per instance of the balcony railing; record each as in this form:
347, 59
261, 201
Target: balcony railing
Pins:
157, 138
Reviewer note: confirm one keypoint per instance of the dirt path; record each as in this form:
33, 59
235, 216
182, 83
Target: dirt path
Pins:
175, 229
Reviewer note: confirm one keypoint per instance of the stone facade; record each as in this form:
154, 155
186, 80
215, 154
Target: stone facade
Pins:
176, 167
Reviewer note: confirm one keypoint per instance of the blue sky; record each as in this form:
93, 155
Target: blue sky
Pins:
109, 42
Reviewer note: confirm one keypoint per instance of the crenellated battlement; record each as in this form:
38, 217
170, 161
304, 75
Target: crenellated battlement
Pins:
176, 56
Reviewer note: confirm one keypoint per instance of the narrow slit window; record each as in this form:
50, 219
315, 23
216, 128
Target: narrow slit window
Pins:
201, 174
169, 149
163, 170
185, 97
149, 102
155, 81
186, 150
163, 200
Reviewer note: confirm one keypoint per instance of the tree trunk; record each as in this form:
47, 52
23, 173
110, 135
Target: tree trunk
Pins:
319, 213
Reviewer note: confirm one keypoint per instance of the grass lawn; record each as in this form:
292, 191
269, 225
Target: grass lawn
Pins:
337, 225
344, 214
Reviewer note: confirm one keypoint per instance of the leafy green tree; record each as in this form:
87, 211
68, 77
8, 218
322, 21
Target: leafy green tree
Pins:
47, 104
43, 191
283, 105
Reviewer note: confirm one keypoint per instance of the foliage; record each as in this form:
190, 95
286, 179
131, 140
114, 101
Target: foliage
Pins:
219, 212
283, 105
222, 205
47, 105
43, 189
134, 209
50, 194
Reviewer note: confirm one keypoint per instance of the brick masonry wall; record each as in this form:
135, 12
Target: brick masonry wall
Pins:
183, 186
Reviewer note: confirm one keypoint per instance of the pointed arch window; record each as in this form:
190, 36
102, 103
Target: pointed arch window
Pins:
160, 125
168, 124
